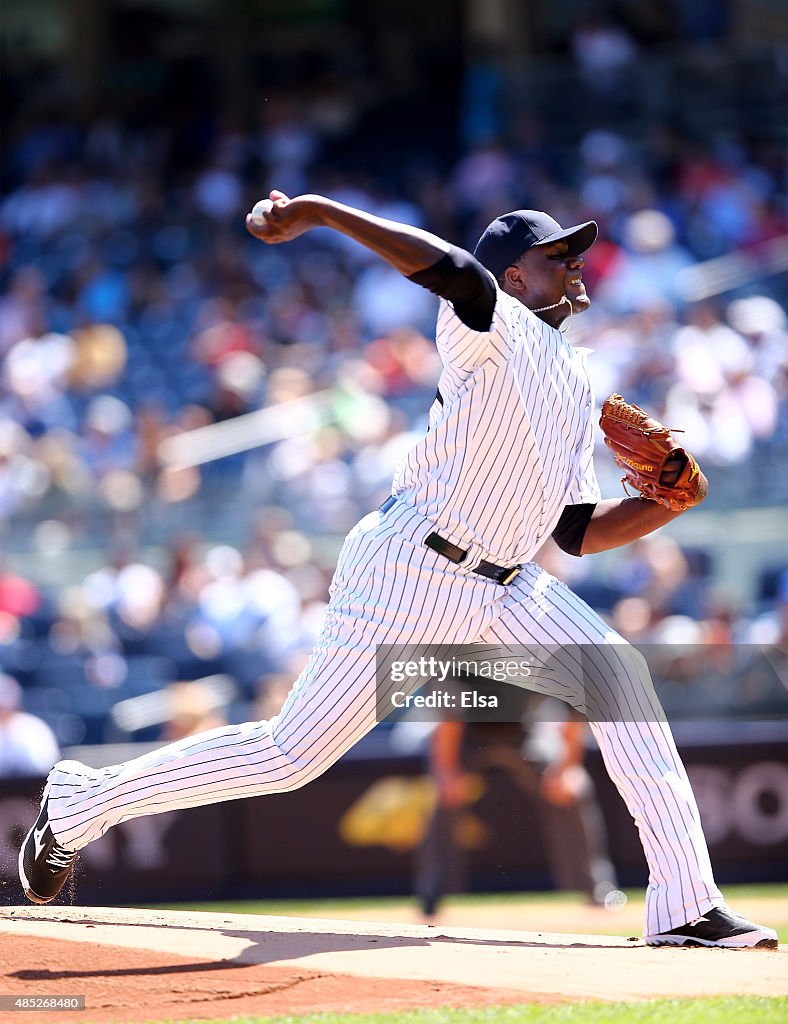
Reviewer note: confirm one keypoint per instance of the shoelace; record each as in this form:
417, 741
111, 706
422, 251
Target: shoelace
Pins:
60, 857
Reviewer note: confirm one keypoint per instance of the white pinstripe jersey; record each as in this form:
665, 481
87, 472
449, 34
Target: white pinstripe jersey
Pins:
512, 443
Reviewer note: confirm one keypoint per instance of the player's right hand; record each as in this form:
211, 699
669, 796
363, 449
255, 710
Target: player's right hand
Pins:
287, 218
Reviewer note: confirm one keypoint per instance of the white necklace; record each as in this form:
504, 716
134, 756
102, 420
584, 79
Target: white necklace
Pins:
555, 305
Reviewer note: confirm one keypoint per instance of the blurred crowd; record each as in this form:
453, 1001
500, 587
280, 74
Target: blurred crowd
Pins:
135, 307
106, 659
135, 310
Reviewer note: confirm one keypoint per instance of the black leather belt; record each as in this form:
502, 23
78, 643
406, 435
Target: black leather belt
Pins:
499, 573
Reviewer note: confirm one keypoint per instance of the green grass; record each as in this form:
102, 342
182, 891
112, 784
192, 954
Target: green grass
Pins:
316, 906
303, 906
732, 1010
607, 925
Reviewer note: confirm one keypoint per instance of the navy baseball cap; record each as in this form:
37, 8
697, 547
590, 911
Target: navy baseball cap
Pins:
509, 236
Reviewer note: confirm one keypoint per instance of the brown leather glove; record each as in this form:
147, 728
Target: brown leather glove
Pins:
653, 463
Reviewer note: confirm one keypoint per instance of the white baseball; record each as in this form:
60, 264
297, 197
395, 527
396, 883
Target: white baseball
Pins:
615, 900
260, 210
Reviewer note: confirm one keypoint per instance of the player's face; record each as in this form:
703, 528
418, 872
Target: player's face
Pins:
550, 273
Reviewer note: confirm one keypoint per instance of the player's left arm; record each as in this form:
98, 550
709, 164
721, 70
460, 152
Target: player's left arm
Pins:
615, 522
593, 527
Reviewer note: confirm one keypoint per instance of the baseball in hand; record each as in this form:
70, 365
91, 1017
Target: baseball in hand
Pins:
260, 210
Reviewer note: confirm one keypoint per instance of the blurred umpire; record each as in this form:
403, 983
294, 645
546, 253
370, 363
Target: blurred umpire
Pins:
542, 758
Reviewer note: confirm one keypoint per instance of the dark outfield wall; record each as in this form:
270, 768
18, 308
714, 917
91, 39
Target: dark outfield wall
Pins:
354, 830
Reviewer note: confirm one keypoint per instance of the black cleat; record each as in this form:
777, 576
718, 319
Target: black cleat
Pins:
718, 927
44, 865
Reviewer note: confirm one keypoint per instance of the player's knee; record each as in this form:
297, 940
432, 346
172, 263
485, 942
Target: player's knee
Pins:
631, 659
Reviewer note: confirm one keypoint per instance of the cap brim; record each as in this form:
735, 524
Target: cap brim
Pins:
580, 237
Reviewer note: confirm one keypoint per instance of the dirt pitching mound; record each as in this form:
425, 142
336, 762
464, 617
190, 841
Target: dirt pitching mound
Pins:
135, 966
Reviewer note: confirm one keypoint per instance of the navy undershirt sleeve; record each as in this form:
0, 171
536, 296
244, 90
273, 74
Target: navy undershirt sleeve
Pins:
464, 282
571, 527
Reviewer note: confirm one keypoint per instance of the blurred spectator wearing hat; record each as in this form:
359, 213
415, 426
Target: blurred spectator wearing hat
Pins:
762, 322
27, 744
649, 265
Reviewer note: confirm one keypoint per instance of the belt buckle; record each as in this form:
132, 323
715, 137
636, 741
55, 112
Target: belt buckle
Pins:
507, 579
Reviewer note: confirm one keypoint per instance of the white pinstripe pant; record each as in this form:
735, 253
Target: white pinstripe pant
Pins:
390, 588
